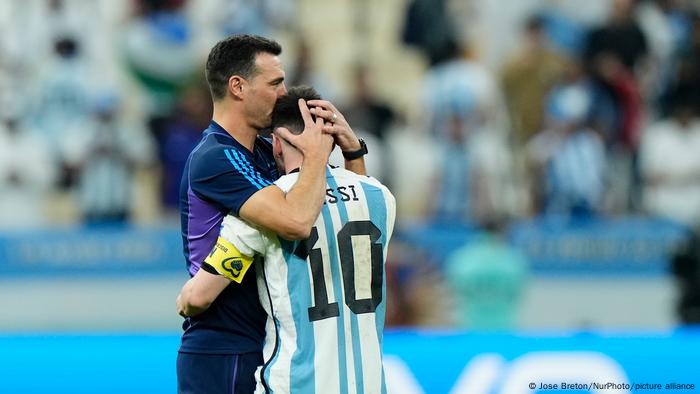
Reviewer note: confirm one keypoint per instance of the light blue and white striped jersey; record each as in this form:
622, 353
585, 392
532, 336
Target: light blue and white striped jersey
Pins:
325, 296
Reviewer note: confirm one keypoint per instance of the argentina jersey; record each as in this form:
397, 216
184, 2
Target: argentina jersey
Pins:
325, 296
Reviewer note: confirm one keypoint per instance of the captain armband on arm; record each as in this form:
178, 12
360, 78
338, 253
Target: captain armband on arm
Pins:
226, 260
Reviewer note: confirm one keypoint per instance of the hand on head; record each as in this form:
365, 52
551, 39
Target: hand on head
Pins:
313, 143
335, 124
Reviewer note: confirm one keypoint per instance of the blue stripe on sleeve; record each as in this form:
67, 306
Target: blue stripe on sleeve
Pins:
254, 174
240, 169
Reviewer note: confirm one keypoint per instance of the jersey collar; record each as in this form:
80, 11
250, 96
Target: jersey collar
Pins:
215, 128
328, 166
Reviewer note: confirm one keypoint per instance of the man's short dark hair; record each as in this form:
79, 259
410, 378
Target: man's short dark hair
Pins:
235, 55
286, 112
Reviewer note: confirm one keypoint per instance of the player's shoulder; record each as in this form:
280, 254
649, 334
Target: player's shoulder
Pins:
210, 147
285, 182
342, 173
233, 226
216, 155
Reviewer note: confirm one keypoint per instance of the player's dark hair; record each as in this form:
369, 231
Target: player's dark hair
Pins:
286, 112
235, 55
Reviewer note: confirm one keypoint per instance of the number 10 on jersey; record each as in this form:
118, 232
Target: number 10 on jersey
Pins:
323, 309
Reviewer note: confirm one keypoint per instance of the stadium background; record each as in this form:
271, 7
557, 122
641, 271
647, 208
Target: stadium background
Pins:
516, 251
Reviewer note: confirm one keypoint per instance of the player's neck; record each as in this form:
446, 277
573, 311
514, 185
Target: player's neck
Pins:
235, 125
293, 160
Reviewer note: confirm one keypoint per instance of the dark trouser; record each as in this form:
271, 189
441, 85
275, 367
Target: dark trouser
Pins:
217, 373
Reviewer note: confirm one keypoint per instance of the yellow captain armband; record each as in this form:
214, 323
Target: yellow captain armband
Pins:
228, 261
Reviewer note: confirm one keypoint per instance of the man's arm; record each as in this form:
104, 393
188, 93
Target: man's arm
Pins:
199, 292
357, 165
292, 215
342, 133
228, 261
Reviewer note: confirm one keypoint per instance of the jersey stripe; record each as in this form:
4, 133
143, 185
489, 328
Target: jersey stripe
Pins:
298, 272
356, 350
377, 209
276, 351
243, 161
337, 289
241, 170
246, 164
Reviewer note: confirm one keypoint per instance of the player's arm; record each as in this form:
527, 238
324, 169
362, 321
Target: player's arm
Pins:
228, 261
342, 133
199, 292
292, 215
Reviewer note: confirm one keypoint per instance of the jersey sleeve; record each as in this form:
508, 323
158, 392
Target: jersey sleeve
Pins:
286, 182
234, 251
247, 238
222, 177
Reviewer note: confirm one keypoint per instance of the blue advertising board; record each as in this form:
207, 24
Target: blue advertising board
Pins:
603, 246
415, 363
119, 249
629, 245
561, 245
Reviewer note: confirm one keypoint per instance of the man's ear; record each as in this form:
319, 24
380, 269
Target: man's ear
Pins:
276, 145
235, 86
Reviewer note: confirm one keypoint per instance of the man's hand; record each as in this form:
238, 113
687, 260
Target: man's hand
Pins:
336, 125
179, 306
312, 142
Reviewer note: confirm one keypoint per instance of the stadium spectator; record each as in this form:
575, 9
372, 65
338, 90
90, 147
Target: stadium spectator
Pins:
160, 52
453, 190
616, 54
229, 17
368, 113
487, 276
64, 98
667, 25
427, 26
569, 156
461, 97
687, 77
26, 172
303, 71
621, 37
105, 154
527, 79
365, 110
460, 82
181, 134
566, 34
670, 164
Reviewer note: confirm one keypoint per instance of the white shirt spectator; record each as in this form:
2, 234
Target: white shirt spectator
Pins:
107, 150
670, 164
26, 175
463, 87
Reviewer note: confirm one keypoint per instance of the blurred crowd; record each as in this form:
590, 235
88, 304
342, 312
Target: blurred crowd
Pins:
582, 120
101, 103
593, 119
